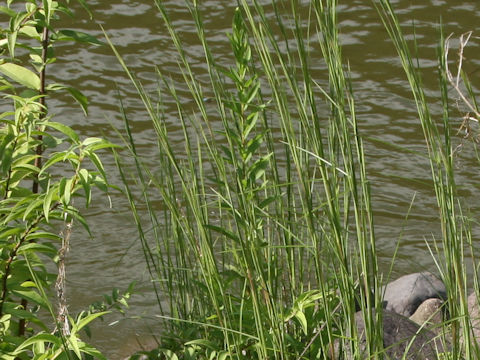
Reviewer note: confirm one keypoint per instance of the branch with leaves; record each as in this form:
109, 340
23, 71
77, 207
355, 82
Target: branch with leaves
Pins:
30, 214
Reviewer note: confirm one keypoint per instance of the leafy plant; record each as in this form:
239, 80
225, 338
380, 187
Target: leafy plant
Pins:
44, 167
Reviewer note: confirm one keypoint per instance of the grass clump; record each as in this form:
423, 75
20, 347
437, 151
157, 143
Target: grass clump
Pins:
265, 245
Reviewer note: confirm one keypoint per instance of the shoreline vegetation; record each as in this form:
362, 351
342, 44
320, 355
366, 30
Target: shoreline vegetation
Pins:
264, 245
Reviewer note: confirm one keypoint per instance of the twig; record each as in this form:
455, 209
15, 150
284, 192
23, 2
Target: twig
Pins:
455, 82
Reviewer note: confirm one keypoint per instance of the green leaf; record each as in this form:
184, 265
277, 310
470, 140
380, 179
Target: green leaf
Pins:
94, 144
29, 168
52, 160
21, 75
73, 342
42, 337
7, 11
47, 8
38, 247
169, 354
12, 42
252, 146
6, 160
223, 231
87, 349
90, 141
222, 355
77, 36
32, 296
264, 203
16, 310
302, 320
68, 131
30, 31
80, 98
251, 122
33, 206
78, 217
258, 168
42, 235
57, 157
7, 232
39, 350
52, 191
189, 353
89, 318
97, 162
203, 343
84, 180
68, 192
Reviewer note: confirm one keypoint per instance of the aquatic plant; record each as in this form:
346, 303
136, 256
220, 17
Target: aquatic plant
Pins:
265, 246
254, 246
456, 241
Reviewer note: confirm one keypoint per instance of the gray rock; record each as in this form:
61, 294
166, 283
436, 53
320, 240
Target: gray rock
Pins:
405, 294
400, 336
429, 314
474, 313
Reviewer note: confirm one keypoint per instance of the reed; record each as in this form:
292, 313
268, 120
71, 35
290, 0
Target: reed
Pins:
265, 245
456, 241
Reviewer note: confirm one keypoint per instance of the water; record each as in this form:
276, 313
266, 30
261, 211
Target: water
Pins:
400, 178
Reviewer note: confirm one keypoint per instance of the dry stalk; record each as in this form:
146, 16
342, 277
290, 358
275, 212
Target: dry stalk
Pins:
455, 81
472, 114
60, 284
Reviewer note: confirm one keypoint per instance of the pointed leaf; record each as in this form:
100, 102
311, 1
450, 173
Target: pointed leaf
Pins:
86, 320
7, 11
42, 235
52, 191
21, 75
97, 162
39, 337
32, 296
80, 98
53, 159
68, 191
84, 180
31, 32
73, 342
78, 36
223, 231
47, 8
68, 131
33, 206
302, 320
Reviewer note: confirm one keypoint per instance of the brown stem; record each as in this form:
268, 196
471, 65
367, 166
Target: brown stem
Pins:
39, 150
22, 323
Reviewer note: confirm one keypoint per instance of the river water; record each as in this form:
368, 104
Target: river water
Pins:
397, 167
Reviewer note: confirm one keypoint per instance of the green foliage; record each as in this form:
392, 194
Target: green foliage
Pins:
44, 167
257, 227
117, 301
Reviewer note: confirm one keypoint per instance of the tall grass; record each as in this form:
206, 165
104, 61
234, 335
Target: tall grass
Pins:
455, 226
265, 246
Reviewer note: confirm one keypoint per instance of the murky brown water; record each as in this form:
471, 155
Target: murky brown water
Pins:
385, 110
